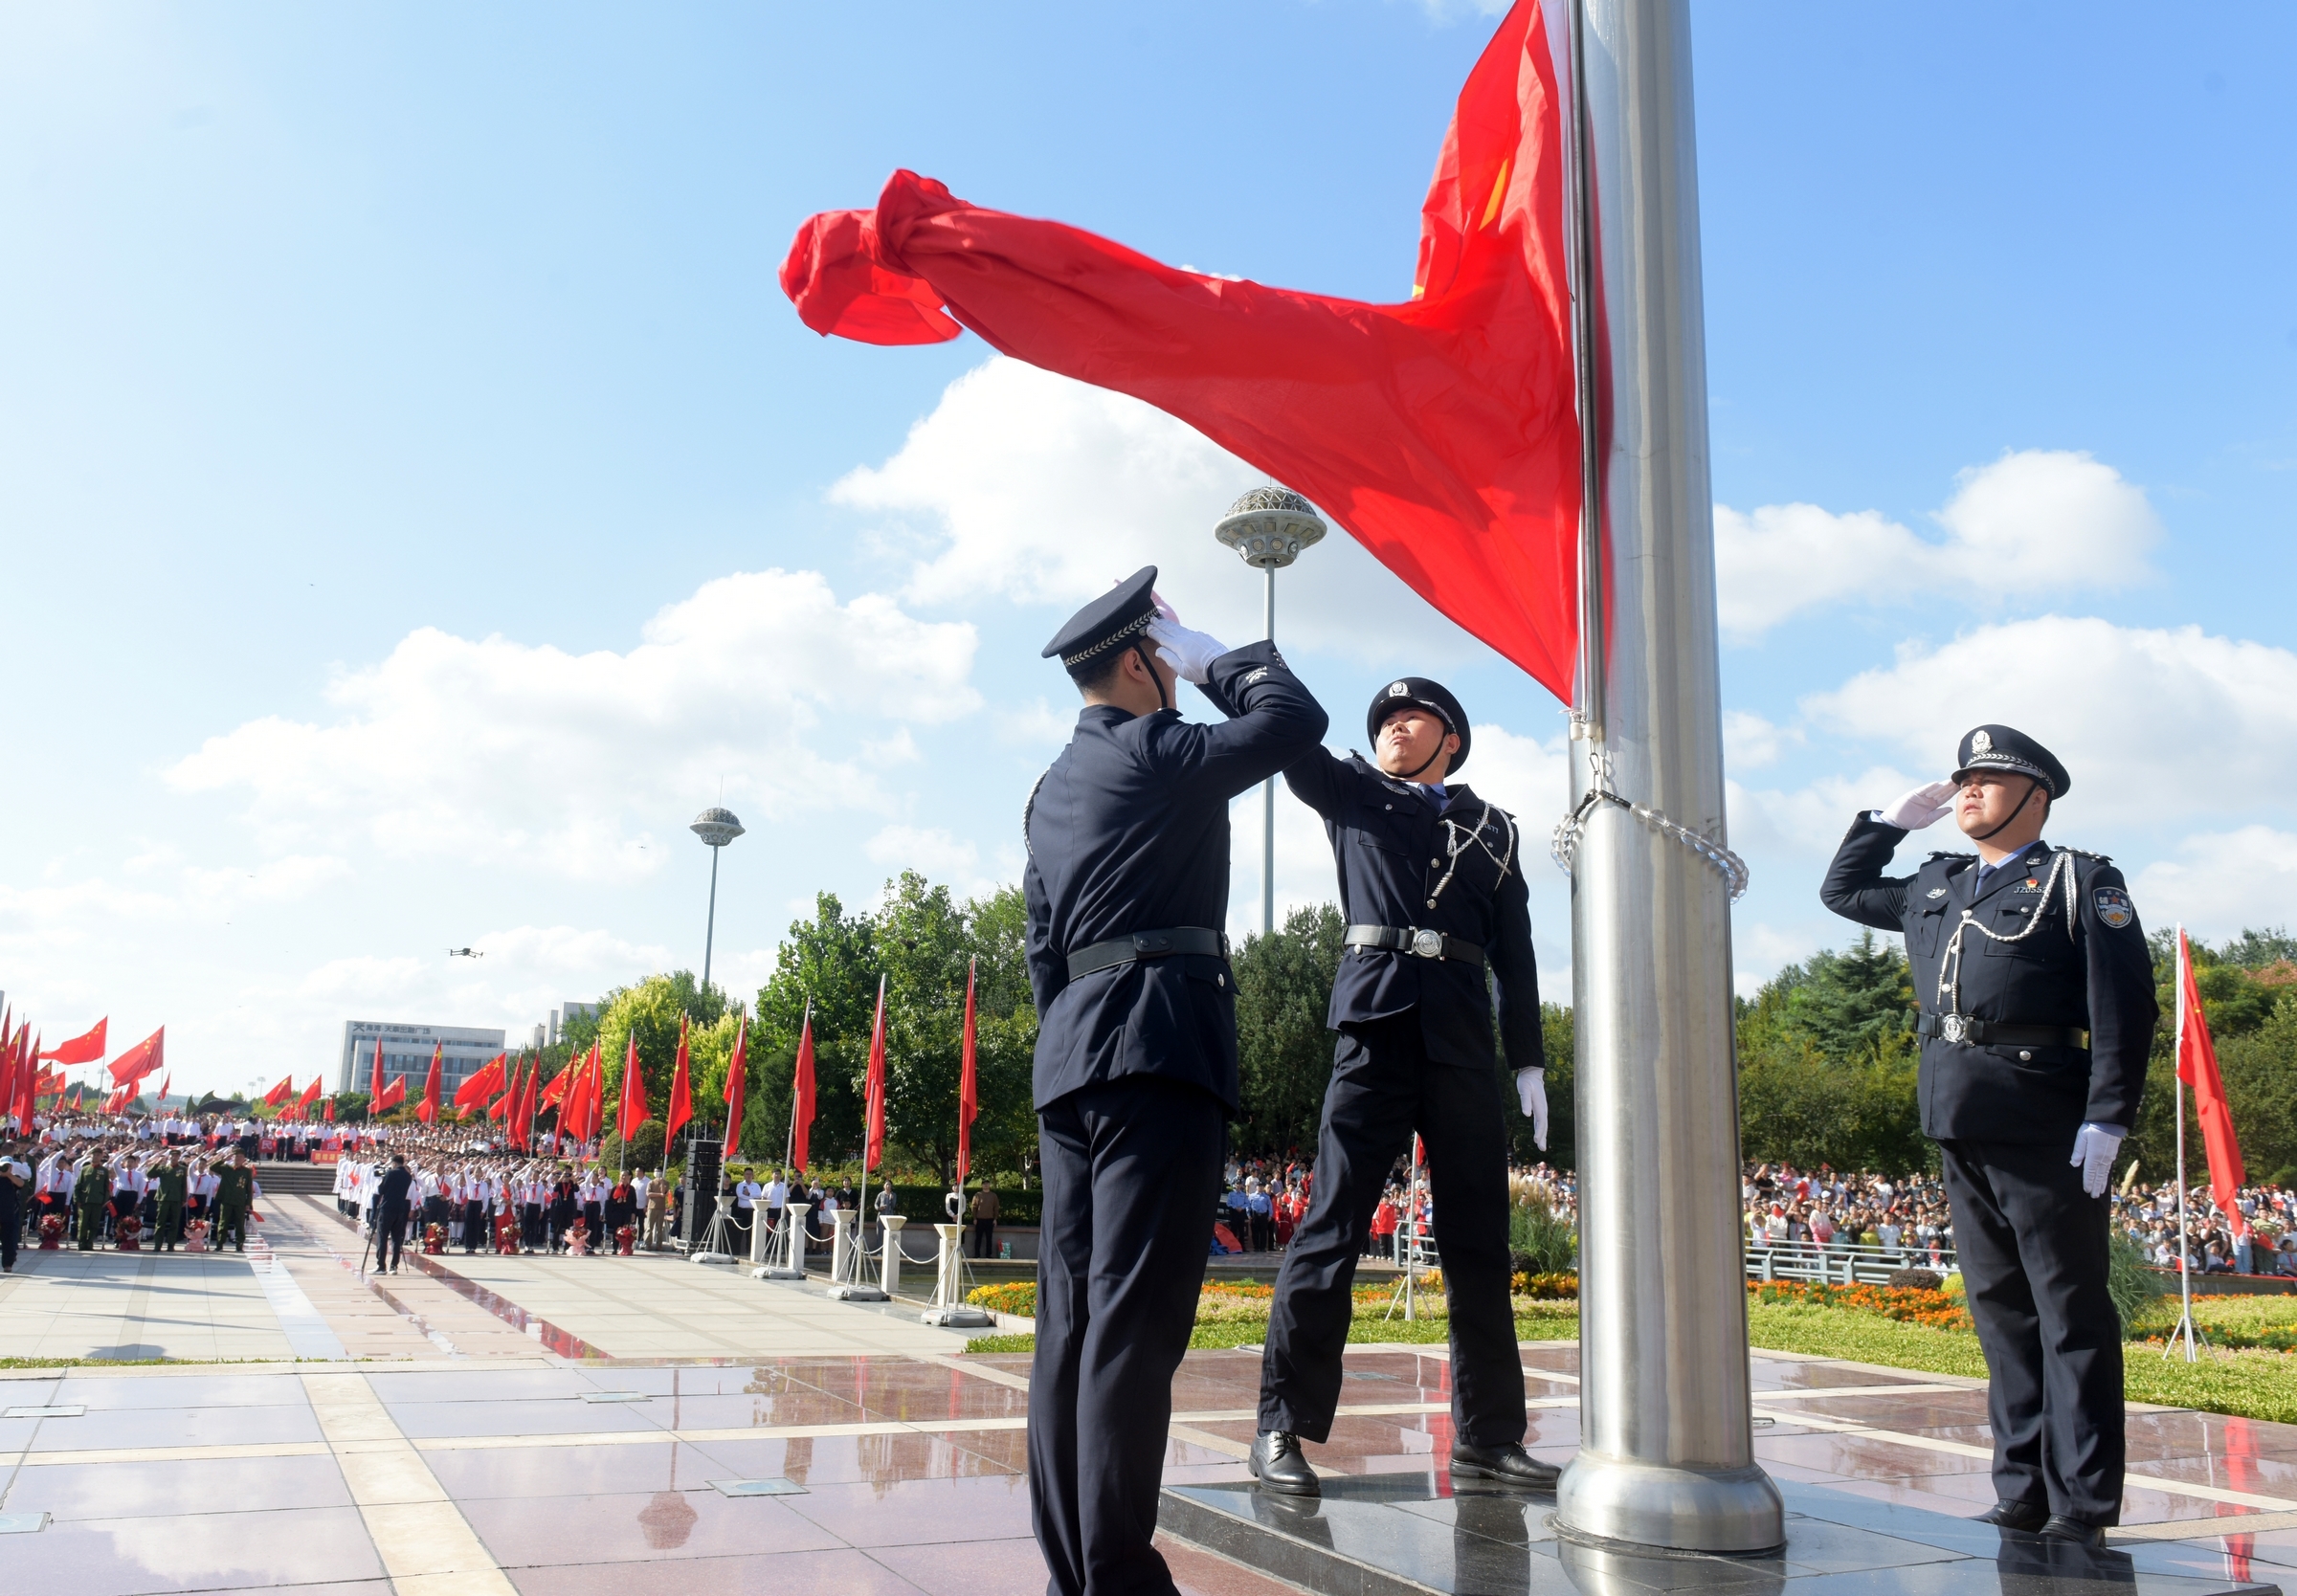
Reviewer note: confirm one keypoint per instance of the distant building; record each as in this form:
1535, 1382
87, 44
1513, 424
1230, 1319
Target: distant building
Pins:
566, 1013
406, 1052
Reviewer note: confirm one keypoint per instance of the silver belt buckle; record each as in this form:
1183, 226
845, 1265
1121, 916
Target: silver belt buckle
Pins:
1953, 1026
1428, 945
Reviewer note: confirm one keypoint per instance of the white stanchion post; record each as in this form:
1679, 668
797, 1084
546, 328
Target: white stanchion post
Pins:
841, 1244
761, 1237
950, 1310
889, 1278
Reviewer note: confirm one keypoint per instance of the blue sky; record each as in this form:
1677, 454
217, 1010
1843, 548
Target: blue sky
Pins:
340, 341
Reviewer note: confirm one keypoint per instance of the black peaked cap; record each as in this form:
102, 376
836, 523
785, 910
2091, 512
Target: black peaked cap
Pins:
2007, 748
1110, 621
1427, 695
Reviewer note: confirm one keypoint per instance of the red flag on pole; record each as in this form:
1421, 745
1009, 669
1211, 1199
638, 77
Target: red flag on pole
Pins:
142, 1060
635, 1110
391, 1097
277, 1097
327, 1110
737, 1090
167, 1080
593, 1118
302, 1104
482, 1084
873, 1096
84, 1049
1442, 431
12, 1065
374, 1088
2197, 1067
680, 1107
801, 1130
427, 1111
505, 1105
968, 1104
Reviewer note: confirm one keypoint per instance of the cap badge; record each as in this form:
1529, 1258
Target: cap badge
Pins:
1980, 742
1397, 690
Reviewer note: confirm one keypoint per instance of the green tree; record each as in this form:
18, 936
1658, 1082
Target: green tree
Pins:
651, 1011
1283, 1051
1827, 1064
2250, 1005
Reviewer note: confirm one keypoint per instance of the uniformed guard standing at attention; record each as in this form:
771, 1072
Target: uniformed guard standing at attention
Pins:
174, 1181
1432, 883
2037, 1012
1127, 885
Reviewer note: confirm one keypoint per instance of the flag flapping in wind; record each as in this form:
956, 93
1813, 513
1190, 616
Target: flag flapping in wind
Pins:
1440, 432
801, 1127
391, 1096
737, 1088
2197, 1067
680, 1107
873, 1096
968, 1104
144, 1058
634, 1085
84, 1049
427, 1111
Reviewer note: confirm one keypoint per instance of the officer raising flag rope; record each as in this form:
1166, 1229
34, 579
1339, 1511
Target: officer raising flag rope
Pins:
1127, 882
2038, 1014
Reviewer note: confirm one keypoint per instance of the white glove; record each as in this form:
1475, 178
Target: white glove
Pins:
1925, 806
1190, 653
1531, 1091
2094, 1151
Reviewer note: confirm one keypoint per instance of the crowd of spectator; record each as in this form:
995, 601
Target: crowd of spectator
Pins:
2264, 1242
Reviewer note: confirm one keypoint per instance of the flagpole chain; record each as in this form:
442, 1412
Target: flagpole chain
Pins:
1572, 829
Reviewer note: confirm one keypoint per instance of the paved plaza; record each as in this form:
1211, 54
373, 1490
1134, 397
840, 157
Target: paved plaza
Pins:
562, 1426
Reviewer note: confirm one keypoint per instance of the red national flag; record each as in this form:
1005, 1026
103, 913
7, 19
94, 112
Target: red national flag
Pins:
801, 1129
527, 1106
737, 1090
277, 1097
391, 1097
1441, 433
504, 1105
873, 1099
427, 1111
142, 1060
167, 1080
84, 1049
2197, 1067
374, 1088
13, 1064
555, 1094
119, 1100
680, 1107
634, 1084
593, 1118
969, 1102
327, 1111
482, 1084
303, 1105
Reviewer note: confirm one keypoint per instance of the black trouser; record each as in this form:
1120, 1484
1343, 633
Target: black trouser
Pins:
390, 1237
593, 1227
531, 1226
2034, 1253
1384, 1087
1131, 1169
12, 1227
985, 1238
474, 1225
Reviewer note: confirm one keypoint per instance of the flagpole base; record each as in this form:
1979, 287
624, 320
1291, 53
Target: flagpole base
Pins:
712, 1258
1618, 1502
855, 1292
958, 1319
775, 1271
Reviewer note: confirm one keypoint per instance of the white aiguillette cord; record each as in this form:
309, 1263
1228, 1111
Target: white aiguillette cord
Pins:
1950, 964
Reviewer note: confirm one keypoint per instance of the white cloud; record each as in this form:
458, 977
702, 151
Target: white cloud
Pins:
2153, 725
933, 852
2221, 883
494, 750
2035, 520
1043, 491
1750, 742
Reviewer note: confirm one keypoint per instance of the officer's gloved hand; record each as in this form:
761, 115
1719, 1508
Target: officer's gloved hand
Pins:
1925, 806
1531, 1091
1190, 653
2094, 1151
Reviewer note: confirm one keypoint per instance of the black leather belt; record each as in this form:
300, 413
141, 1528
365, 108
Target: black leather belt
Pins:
1961, 1028
1147, 944
1428, 945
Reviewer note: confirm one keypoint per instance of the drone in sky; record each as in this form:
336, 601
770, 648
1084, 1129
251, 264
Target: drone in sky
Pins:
466, 953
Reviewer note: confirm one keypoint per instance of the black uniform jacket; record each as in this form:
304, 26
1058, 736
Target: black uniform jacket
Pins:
2099, 979
390, 1191
1128, 832
1392, 848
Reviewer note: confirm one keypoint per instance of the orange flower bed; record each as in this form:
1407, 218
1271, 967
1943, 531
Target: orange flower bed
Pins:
1907, 1304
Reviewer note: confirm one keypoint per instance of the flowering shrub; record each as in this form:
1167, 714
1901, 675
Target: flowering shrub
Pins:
1015, 1297
1907, 1304
1549, 1287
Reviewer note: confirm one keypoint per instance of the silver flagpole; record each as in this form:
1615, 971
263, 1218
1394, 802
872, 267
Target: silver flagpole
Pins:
1667, 1440
2185, 1256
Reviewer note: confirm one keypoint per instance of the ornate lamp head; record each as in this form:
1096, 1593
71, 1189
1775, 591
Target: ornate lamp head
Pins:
1269, 527
716, 826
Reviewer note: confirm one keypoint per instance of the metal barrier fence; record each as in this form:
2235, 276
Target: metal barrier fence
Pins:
1842, 1266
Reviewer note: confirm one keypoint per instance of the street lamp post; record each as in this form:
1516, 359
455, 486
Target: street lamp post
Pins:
1269, 526
717, 828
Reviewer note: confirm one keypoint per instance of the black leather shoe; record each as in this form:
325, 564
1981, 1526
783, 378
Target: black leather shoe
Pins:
2015, 1516
2063, 1528
1509, 1465
1276, 1462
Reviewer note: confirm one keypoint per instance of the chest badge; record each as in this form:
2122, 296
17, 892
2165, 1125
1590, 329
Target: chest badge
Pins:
1936, 892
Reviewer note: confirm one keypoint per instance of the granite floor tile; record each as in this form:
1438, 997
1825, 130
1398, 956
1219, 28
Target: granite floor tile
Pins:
195, 1551
227, 1485
183, 1390
128, 1428
434, 1420
549, 1471
843, 1572
920, 1512
1010, 1565
636, 1528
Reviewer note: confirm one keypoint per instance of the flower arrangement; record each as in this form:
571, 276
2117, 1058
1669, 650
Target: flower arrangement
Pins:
127, 1233
435, 1239
51, 1232
195, 1236
626, 1240
507, 1233
578, 1239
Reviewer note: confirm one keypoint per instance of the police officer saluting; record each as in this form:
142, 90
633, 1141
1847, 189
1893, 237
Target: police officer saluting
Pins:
1127, 885
1432, 883
2037, 1012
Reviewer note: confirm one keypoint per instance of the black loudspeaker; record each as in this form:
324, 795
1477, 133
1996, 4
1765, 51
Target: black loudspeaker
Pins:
703, 1168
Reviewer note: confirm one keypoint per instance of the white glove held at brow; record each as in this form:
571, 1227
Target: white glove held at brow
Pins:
1925, 806
1531, 1091
2094, 1151
1190, 653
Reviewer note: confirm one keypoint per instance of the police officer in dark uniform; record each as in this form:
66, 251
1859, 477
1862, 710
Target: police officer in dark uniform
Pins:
1439, 933
1127, 885
2037, 1013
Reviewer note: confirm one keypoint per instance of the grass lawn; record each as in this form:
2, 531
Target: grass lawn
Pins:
2252, 1382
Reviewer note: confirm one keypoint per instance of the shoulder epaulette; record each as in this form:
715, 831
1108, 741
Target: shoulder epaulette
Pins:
2085, 854
1948, 854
